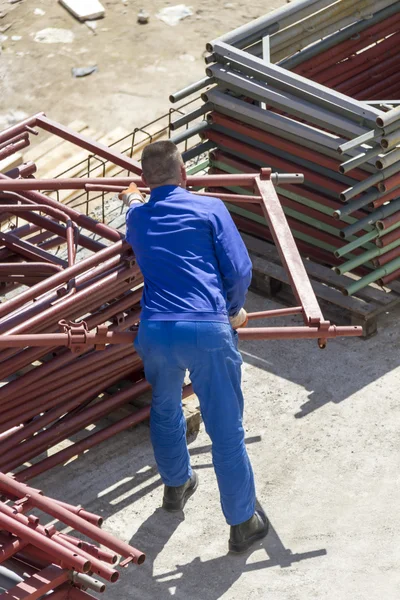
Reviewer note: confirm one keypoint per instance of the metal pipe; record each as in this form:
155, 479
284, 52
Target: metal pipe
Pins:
392, 183
297, 333
376, 275
353, 263
386, 223
391, 140
60, 278
13, 148
278, 312
88, 582
269, 24
190, 132
20, 490
389, 237
383, 259
388, 118
13, 525
318, 51
190, 117
191, 89
389, 278
287, 102
358, 160
372, 218
295, 85
21, 127
385, 175
388, 159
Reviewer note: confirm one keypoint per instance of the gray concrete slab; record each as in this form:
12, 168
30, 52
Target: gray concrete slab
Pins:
323, 435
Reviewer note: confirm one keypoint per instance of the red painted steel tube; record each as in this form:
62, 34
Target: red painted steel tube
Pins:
289, 254
278, 312
388, 221
70, 225
348, 47
297, 333
15, 415
372, 90
360, 81
14, 525
106, 572
77, 510
61, 278
387, 239
29, 268
21, 136
13, 148
290, 147
44, 371
79, 183
14, 130
25, 170
115, 282
390, 184
79, 218
57, 229
389, 278
10, 546
11, 486
95, 551
23, 248
268, 158
382, 260
395, 193
88, 144
356, 64
88, 442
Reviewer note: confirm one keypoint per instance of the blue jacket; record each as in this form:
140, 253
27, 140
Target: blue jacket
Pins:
194, 262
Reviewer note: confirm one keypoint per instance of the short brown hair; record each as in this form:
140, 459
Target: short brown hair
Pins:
161, 162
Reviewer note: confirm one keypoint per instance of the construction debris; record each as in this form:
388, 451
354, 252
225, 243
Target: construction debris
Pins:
52, 35
143, 17
84, 10
172, 15
83, 71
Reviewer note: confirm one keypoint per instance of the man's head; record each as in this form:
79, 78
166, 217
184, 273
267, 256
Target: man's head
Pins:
162, 164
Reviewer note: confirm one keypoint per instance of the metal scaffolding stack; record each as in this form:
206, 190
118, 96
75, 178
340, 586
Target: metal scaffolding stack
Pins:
310, 88
40, 560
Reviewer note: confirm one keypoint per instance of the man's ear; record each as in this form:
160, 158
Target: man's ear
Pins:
183, 176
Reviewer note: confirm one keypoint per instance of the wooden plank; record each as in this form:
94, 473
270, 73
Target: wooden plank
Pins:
43, 148
65, 154
10, 162
353, 305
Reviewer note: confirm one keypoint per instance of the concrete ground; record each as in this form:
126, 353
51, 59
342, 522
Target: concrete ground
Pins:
322, 432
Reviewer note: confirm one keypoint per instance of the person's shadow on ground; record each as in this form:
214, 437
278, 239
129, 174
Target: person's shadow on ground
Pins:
202, 580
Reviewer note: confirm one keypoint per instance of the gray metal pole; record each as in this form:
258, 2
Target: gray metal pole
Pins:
280, 76
188, 133
304, 110
190, 117
190, 89
271, 23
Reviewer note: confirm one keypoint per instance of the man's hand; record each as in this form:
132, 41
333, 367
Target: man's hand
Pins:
239, 320
131, 194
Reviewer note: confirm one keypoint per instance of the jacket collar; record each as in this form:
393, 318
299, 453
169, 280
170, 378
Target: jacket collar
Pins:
163, 191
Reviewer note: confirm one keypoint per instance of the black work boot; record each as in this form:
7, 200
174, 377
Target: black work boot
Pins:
175, 498
244, 535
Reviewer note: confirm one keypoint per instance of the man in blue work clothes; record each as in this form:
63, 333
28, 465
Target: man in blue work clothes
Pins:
196, 273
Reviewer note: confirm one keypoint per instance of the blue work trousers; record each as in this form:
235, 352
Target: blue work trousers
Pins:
209, 351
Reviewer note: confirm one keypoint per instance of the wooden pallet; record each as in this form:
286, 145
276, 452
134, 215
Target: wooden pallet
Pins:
364, 308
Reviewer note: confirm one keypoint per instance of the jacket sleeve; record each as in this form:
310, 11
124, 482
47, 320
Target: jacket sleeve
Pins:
233, 259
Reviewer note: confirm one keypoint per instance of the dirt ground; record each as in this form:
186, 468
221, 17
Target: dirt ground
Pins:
138, 65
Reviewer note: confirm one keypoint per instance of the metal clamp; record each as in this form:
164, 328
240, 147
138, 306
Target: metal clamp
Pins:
77, 334
101, 332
